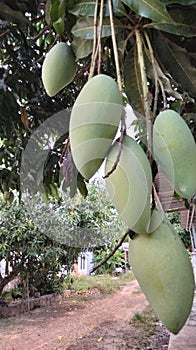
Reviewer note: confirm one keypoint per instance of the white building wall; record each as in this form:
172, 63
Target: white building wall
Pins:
85, 263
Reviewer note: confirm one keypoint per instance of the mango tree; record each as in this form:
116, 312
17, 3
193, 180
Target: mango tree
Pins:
147, 47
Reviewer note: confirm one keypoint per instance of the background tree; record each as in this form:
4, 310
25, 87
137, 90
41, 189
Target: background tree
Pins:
45, 261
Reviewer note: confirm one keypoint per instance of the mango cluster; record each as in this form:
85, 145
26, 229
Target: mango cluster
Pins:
158, 258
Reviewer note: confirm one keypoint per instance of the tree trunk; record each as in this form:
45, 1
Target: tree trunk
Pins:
5, 280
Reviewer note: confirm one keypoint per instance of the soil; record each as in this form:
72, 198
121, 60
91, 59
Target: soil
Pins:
91, 321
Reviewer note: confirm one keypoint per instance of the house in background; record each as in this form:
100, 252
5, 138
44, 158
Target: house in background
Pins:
84, 264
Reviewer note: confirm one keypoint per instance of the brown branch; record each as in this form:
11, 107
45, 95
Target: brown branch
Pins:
41, 33
123, 133
112, 252
7, 31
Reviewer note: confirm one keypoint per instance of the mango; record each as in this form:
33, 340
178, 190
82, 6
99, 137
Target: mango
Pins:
58, 69
94, 121
164, 272
174, 150
130, 184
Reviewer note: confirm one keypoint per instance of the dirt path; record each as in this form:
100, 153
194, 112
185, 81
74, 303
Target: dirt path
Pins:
97, 323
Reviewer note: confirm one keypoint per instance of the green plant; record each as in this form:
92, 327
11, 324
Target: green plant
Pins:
174, 219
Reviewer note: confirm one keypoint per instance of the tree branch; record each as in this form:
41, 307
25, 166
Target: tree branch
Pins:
128, 232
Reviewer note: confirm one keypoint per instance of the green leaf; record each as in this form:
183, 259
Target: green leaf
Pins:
81, 185
184, 21
177, 29
84, 28
59, 26
132, 80
55, 14
83, 8
54, 10
87, 8
81, 47
176, 60
152, 9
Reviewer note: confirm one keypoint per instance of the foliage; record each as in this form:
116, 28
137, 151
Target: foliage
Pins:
45, 260
29, 253
116, 260
165, 29
174, 219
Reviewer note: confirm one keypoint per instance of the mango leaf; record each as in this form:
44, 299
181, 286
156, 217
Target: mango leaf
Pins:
51, 11
84, 28
81, 47
152, 9
81, 185
132, 80
184, 21
175, 60
83, 8
180, 2
87, 8
177, 29
55, 14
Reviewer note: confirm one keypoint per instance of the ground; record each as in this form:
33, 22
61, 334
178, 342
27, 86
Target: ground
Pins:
122, 320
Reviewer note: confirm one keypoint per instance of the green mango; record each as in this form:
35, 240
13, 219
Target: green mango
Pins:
130, 184
164, 272
174, 150
58, 69
94, 121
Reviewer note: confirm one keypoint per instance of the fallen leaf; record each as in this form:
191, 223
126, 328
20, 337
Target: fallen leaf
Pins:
60, 337
100, 339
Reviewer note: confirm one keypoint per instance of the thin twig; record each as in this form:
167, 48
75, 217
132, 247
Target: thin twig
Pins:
42, 32
7, 31
93, 57
157, 198
163, 94
145, 92
115, 48
155, 74
116, 161
97, 37
112, 252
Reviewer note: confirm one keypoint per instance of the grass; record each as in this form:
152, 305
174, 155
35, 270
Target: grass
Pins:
146, 320
106, 284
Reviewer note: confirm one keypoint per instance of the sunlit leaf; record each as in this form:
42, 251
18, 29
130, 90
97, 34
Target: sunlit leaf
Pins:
83, 8
81, 47
152, 9
84, 28
87, 8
